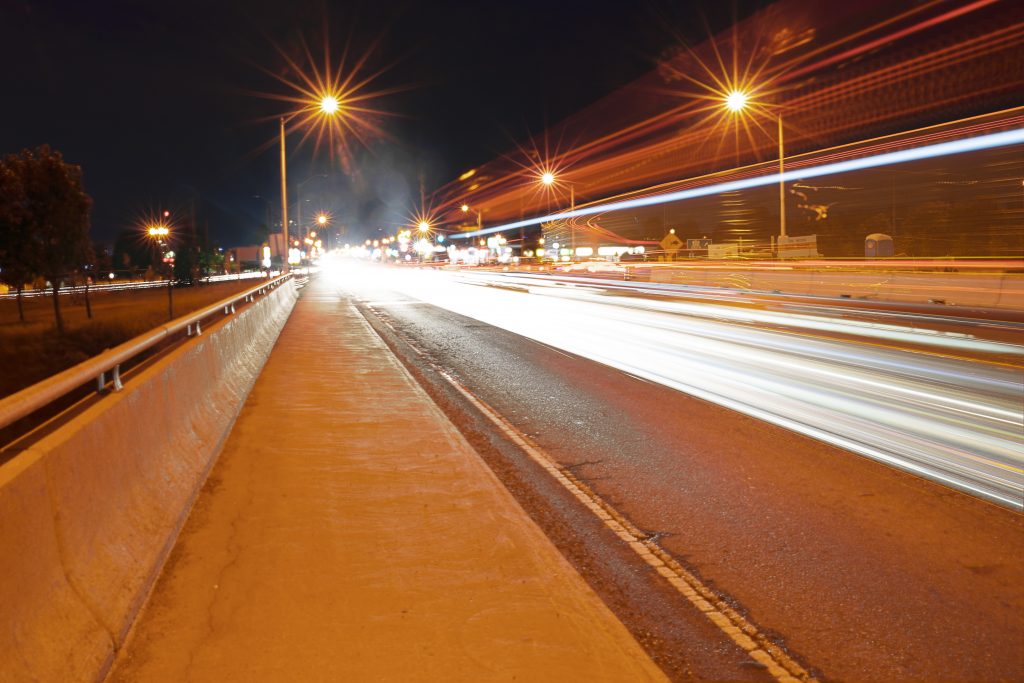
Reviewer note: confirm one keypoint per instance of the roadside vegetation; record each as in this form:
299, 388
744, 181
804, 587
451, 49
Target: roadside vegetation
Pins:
45, 245
31, 350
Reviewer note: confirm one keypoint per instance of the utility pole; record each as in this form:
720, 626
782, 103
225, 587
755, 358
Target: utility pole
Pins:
782, 184
284, 204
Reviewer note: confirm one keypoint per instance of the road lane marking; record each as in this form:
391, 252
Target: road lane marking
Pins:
741, 631
733, 624
549, 347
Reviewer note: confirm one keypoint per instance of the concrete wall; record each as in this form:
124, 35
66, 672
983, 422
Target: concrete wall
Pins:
89, 514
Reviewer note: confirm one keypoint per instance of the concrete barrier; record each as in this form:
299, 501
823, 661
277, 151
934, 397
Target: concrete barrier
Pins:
90, 512
985, 290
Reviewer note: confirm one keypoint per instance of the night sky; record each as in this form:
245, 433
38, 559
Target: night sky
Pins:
157, 101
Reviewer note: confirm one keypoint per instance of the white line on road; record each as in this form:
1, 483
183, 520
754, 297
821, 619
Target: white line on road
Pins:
741, 631
745, 634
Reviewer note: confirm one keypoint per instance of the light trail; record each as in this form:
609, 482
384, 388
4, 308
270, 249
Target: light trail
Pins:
952, 420
874, 330
875, 43
982, 142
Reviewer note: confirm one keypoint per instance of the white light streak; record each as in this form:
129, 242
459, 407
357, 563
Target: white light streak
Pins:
948, 419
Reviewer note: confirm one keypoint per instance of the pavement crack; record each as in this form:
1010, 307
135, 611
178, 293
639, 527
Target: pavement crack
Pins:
233, 549
655, 536
573, 467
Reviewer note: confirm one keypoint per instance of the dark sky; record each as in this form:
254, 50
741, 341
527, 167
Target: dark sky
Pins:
155, 99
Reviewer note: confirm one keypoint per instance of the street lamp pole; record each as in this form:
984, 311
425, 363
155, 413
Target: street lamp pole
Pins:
738, 100
156, 234
572, 228
782, 183
479, 215
548, 178
284, 204
328, 105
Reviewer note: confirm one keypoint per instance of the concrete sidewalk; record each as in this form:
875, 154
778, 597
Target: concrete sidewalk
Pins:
349, 533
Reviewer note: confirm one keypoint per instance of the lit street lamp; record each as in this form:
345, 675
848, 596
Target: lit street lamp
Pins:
328, 105
548, 178
737, 101
298, 197
160, 234
479, 215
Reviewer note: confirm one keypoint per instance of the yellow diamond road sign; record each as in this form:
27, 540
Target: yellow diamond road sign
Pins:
671, 242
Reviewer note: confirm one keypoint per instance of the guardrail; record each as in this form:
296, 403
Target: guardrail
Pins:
41, 394
128, 285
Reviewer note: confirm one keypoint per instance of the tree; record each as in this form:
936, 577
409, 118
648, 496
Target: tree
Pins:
54, 216
16, 256
186, 264
211, 261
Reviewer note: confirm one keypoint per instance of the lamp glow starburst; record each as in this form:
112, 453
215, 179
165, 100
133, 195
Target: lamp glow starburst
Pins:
736, 100
333, 105
329, 104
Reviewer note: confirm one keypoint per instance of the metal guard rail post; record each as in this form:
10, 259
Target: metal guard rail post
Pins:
31, 399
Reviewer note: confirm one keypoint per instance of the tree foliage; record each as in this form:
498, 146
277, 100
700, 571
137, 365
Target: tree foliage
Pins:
45, 212
15, 260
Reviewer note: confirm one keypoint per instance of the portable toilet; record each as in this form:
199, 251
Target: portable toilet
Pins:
877, 244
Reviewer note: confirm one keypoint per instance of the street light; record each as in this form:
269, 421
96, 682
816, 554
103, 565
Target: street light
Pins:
328, 105
298, 196
160, 233
736, 102
548, 178
479, 215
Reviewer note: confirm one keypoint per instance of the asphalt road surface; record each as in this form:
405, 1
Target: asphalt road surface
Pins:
856, 570
949, 411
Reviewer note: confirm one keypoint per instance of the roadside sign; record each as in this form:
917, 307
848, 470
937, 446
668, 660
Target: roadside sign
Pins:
804, 246
703, 243
716, 251
670, 243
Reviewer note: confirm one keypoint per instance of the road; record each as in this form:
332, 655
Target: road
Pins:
858, 570
949, 411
